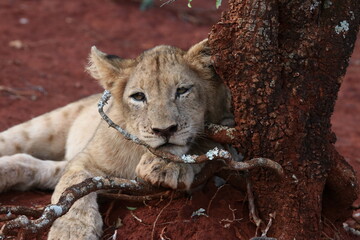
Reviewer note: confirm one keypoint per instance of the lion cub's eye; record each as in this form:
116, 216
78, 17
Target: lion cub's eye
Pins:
139, 96
182, 90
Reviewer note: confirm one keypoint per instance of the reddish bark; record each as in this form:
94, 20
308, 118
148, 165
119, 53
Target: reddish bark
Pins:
284, 62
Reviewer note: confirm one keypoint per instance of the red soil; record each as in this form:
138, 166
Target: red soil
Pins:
44, 47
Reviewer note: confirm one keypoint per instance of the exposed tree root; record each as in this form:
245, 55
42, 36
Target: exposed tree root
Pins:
340, 179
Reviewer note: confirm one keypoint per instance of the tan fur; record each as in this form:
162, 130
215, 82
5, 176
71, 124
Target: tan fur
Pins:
181, 92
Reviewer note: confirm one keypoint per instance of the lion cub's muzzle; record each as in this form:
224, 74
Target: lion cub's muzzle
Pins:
165, 132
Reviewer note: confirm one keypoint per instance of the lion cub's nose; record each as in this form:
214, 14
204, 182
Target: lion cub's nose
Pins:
165, 132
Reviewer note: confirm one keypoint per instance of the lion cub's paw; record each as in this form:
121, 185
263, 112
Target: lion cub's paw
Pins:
167, 174
77, 226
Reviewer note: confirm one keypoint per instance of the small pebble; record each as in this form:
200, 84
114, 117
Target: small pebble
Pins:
23, 21
18, 44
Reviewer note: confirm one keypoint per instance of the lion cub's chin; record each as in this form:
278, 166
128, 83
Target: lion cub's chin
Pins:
174, 149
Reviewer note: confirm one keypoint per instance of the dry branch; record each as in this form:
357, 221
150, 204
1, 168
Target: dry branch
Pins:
51, 212
11, 211
220, 134
132, 198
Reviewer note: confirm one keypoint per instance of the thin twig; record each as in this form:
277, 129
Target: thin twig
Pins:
252, 210
136, 217
162, 235
213, 197
103, 101
19, 93
167, 2
230, 221
108, 212
272, 216
158, 216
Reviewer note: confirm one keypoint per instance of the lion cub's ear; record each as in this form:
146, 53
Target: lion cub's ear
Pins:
199, 59
107, 68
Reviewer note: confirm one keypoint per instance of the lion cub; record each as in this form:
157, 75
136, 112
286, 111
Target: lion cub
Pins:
163, 97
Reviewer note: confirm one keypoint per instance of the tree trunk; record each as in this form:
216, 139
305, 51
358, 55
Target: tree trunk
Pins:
284, 62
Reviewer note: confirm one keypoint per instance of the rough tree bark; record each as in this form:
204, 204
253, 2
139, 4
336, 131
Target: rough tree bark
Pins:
284, 61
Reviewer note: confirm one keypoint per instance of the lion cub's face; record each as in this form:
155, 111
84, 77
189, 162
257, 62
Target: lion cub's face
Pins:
162, 96
164, 100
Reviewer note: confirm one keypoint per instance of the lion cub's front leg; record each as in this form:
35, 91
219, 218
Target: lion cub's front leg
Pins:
164, 173
83, 221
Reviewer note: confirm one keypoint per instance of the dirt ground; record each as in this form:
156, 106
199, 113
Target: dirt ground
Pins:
44, 46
